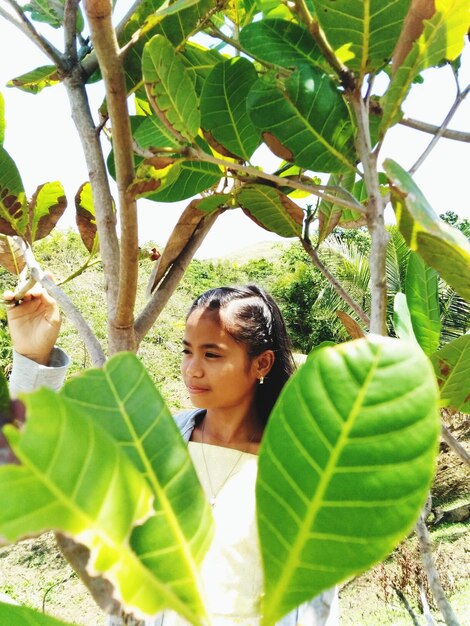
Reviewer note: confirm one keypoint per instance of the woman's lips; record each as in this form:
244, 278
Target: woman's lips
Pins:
196, 390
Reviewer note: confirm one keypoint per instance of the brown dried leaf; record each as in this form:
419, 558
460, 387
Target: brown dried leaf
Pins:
277, 147
179, 238
413, 26
218, 147
352, 327
85, 220
46, 222
11, 256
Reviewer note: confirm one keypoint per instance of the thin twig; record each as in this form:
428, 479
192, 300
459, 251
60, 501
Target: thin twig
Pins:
28, 29
316, 190
340, 290
171, 280
407, 605
454, 444
424, 540
458, 101
456, 135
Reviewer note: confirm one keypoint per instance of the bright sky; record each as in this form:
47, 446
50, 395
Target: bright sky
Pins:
41, 138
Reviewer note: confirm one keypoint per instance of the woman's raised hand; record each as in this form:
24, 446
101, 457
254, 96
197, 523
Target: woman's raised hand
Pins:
34, 324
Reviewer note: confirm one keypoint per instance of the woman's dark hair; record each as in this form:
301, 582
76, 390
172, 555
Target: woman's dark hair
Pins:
258, 324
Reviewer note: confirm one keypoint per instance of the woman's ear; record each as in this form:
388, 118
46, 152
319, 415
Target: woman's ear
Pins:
264, 363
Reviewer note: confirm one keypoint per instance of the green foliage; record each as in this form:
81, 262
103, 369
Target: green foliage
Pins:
359, 454
22, 616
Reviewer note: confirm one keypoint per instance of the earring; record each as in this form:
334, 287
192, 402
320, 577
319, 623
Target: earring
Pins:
261, 380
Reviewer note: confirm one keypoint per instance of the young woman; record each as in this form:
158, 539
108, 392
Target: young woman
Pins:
236, 359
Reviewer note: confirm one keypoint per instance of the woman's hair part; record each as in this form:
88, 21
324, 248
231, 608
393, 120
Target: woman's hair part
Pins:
257, 322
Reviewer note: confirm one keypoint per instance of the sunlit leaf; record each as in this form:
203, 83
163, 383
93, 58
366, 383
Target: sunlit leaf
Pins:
169, 88
307, 122
344, 467
369, 30
442, 38
85, 217
352, 327
11, 255
401, 318
45, 209
452, 367
36, 80
199, 63
13, 206
271, 209
224, 118
419, 11
421, 288
23, 616
281, 42
123, 400
443, 247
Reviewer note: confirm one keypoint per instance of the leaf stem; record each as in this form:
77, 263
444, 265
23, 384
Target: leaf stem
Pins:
461, 95
316, 190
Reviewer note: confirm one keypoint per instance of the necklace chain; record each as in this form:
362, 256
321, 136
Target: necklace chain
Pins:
213, 494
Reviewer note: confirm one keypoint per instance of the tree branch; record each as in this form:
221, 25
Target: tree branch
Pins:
99, 13
102, 198
340, 290
424, 540
375, 218
91, 342
316, 190
161, 296
424, 127
458, 101
70, 30
455, 445
28, 29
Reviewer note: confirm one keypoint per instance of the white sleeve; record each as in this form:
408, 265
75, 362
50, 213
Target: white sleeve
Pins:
27, 375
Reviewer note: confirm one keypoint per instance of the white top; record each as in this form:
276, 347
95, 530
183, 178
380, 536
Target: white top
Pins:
231, 570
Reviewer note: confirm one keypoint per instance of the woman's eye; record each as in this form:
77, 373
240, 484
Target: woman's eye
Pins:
185, 351
211, 355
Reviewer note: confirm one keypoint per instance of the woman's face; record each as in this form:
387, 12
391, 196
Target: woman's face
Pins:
217, 370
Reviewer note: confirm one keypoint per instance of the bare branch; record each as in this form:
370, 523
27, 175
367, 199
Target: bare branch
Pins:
455, 445
70, 29
28, 29
340, 290
102, 198
375, 218
456, 135
161, 296
424, 540
316, 190
92, 344
99, 13
458, 101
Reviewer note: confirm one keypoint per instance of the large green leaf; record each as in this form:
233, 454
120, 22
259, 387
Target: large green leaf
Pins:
23, 616
51, 12
443, 247
152, 133
452, 367
13, 206
442, 38
271, 209
402, 319
281, 42
307, 122
367, 30
344, 467
124, 401
170, 89
422, 296
74, 478
224, 118
37, 79
199, 63
45, 209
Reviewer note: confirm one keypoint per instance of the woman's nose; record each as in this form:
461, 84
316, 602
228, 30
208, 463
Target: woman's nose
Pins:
193, 368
